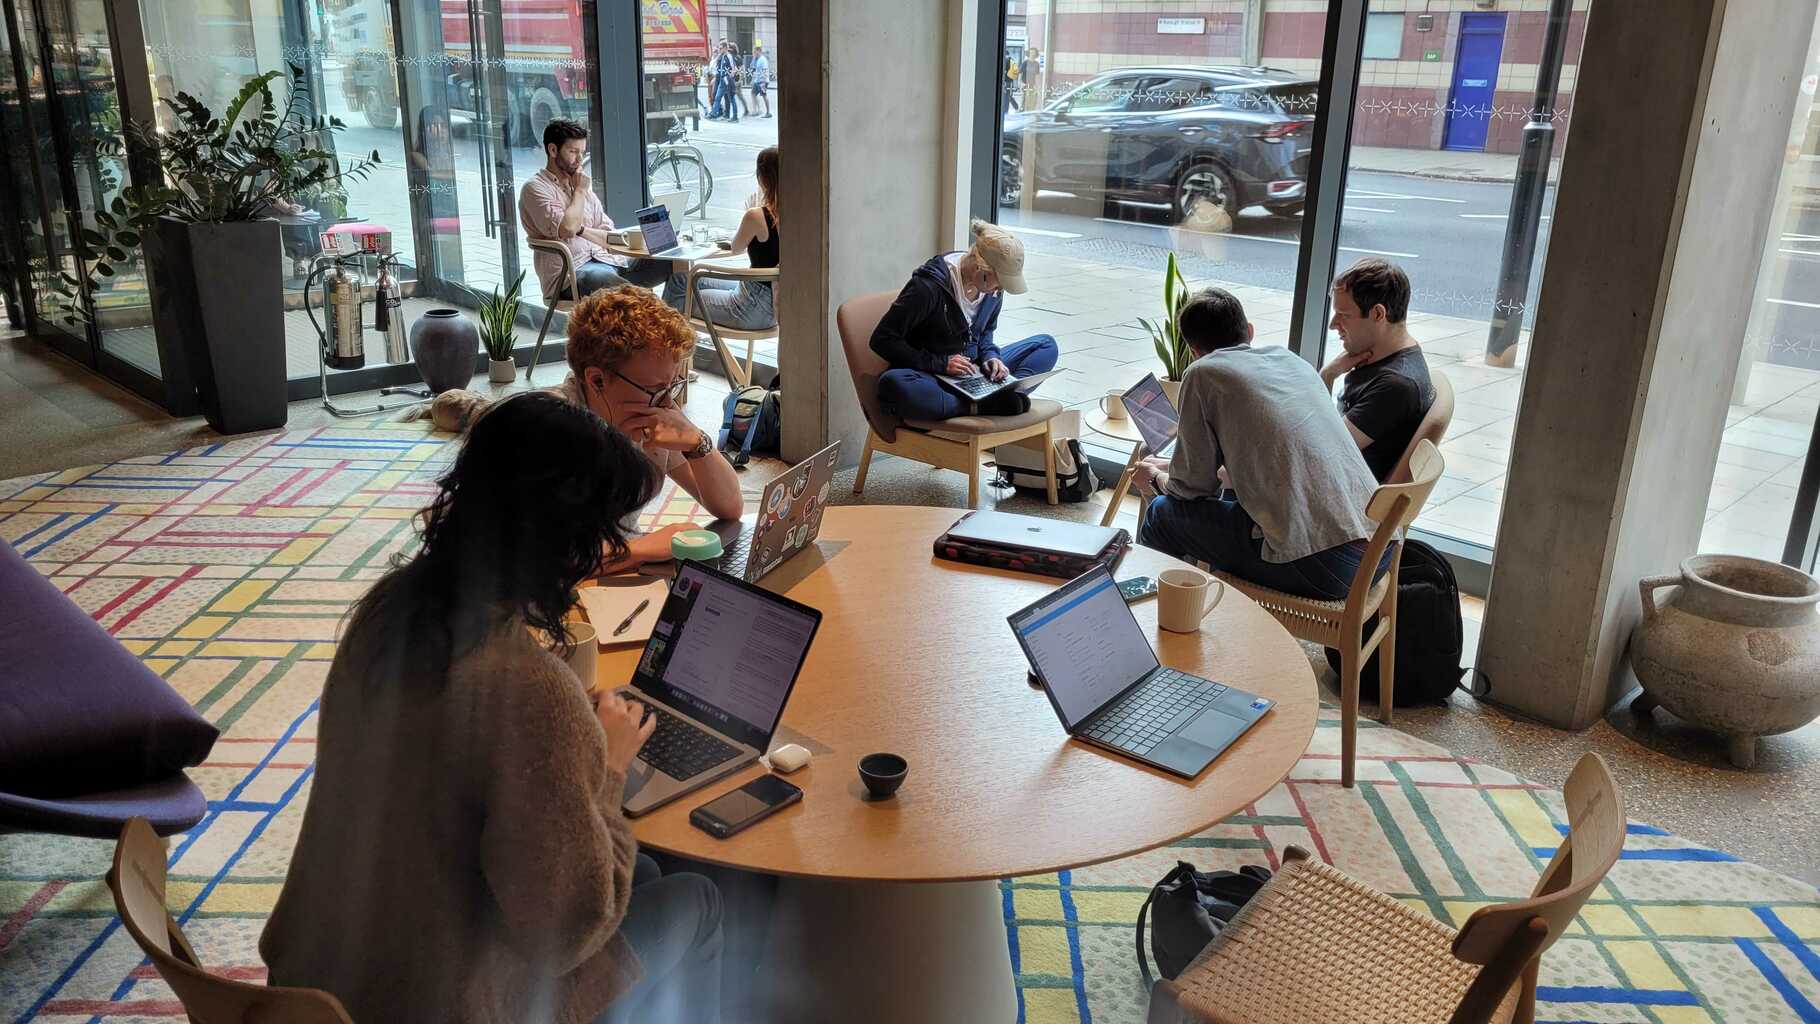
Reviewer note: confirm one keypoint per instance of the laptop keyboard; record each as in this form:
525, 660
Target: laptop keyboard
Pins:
681, 750
1148, 715
735, 562
974, 387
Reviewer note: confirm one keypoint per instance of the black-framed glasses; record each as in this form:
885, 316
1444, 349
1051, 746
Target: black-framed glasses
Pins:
661, 395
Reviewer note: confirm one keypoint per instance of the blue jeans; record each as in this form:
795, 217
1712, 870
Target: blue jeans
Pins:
1218, 531
674, 925
915, 395
594, 276
743, 305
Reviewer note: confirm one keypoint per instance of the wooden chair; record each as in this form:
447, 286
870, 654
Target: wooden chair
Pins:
137, 880
565, 285
1432, 428
738, 375
955, 444
1315, 945
1341, 624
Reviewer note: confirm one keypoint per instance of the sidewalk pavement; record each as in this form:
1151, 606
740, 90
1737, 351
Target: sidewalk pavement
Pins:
1443, 164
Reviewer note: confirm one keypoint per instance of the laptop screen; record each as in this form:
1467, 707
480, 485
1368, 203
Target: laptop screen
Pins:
1085, 644
727, 652
660, 234
1152, 413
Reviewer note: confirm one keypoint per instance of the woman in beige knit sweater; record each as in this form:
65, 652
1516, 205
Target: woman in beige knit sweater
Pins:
463, 856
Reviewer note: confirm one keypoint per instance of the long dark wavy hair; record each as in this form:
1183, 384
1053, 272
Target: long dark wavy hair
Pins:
541, 489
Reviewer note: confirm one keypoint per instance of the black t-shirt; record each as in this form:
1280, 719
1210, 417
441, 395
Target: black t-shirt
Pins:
1386, 400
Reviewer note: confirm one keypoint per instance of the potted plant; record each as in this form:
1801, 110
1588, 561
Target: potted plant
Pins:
498, 316
1166, 332
217, 278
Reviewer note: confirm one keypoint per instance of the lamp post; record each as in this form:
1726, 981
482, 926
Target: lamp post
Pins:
1527, 194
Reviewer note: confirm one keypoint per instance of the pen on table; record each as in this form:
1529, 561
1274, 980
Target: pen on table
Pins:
622, 627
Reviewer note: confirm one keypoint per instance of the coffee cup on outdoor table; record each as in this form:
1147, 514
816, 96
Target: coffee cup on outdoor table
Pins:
1184, 597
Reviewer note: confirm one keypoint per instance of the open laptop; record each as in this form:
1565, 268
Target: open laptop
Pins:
789, 519
1152, 413
660, 236
1031, 533
716, 672
1101, 674
979, 387
675, 202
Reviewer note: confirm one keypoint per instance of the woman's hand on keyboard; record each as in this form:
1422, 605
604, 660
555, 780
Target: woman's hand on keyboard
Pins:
627, 729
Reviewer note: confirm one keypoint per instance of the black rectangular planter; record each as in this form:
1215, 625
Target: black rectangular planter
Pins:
219, 290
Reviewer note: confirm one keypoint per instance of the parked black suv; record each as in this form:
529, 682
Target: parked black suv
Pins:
1205, 141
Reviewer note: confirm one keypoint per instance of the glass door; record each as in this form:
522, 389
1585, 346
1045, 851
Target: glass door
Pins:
466, 113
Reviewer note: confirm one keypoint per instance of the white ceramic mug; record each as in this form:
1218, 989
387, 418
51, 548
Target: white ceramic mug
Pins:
1113, 405
1184, 597
586, 653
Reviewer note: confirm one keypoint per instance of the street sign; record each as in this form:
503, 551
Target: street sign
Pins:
1181, 26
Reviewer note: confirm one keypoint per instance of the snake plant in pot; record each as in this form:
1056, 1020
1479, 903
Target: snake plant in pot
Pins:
216, 266
1166, 331
498, 316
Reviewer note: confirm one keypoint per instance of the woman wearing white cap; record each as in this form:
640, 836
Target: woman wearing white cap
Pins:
942, 324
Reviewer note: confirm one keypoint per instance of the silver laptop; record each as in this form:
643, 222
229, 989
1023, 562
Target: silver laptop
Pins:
1031, 533
978, 387
1101, 674
660, 237
675, 202
789, 519
1152, 413
716, 672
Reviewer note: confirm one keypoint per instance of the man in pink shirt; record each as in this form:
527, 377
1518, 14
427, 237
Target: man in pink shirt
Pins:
559, 203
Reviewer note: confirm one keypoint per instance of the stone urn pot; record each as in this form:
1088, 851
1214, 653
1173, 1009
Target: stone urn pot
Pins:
1735, 648
443, 344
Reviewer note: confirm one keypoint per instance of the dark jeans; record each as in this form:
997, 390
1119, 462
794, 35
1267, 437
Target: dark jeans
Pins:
1218, 531
594, 275
915, 395
673, 924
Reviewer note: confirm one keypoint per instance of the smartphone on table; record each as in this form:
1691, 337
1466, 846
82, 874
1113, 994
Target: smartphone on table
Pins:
756, 800
1137, 588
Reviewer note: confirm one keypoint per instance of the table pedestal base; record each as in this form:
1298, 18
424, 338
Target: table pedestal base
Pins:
890, 951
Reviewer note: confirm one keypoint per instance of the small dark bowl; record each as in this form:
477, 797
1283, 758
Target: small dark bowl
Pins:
882, 774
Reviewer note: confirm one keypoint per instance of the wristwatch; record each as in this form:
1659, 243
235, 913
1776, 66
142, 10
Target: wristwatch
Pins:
702, 448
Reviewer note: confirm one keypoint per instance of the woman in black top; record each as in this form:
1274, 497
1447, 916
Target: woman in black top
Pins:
744, 305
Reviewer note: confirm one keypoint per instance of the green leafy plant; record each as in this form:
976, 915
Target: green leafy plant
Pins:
498, 314
1166, 332
217, 169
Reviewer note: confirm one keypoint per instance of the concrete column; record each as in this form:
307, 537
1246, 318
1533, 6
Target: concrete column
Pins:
1254, 32
861, 132
1680, 119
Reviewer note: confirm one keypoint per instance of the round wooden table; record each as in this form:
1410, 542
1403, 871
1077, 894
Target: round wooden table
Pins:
914, 657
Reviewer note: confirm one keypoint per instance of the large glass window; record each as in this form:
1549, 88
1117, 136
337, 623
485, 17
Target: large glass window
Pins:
1436, 142
1130, 132
709, 81
1777, 392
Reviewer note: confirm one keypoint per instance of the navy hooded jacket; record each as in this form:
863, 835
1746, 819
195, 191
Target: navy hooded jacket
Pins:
925, 325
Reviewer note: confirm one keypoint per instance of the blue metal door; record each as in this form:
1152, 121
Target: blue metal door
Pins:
1475, 81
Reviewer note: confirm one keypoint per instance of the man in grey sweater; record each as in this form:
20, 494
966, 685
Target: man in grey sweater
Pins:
1266, 482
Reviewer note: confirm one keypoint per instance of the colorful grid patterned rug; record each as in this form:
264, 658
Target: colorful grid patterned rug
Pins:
228, 567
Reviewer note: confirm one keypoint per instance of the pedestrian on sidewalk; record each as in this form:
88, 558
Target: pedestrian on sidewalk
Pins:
739, 82
724, 71
1010, 100
760, 72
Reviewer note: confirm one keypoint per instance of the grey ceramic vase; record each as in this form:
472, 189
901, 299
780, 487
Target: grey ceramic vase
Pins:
1735, 648
444, 343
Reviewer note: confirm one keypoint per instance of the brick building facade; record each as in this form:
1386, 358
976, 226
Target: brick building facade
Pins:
1457, 74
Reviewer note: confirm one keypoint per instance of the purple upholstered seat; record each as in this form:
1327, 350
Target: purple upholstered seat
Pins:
89, 736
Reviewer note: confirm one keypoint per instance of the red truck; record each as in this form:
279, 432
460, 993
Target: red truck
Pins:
542, 61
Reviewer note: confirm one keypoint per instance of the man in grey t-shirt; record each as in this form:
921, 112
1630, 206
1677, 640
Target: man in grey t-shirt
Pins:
1290, 511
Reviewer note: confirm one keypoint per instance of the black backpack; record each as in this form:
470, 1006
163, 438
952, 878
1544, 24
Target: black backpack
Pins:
1429, 638
1191, 907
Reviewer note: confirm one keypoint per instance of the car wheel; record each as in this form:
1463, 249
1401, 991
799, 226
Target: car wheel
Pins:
1286, 209
378, 113
1205, 198
546, 106
1010, 177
